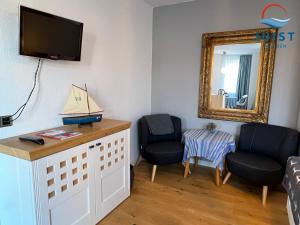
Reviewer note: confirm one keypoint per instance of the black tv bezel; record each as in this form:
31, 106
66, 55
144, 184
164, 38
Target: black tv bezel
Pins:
47, 55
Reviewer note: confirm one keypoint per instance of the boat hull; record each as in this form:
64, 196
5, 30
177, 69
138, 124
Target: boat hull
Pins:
81, 120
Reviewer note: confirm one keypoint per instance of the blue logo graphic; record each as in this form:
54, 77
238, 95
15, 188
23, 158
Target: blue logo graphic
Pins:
274, 22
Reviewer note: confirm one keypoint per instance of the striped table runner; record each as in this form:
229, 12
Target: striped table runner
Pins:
210, 146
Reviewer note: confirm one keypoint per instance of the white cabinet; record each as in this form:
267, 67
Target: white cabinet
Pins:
111, 177
63, 187
78, 186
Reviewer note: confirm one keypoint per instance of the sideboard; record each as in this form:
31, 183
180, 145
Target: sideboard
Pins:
77, 181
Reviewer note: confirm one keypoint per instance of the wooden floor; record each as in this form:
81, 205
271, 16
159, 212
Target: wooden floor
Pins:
172, 200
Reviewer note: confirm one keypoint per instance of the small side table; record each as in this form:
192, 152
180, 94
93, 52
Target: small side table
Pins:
212, 146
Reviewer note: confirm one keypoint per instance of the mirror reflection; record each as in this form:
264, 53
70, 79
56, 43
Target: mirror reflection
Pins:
234, 76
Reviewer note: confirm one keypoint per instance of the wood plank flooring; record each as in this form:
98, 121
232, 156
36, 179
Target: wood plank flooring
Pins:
172, 200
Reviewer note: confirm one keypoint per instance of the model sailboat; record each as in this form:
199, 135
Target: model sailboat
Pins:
81, 108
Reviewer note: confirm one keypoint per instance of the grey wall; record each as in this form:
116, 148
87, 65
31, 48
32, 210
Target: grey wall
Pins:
176, 57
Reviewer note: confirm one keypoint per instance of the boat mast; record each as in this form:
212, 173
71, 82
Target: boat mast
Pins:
87, 99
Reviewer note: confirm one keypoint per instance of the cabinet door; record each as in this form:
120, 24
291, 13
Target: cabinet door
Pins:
111, 172
63, 188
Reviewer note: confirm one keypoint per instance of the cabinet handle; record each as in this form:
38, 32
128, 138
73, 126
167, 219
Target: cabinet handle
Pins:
92, 146
98, 144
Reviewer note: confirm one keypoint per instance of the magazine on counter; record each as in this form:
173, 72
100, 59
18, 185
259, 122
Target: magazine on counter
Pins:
59, 134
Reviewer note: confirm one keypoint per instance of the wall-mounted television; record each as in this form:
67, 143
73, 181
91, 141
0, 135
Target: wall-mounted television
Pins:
48, 36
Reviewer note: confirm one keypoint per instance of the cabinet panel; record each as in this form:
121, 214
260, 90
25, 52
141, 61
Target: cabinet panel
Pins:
111, 172
68, 211
64, 180
113, 183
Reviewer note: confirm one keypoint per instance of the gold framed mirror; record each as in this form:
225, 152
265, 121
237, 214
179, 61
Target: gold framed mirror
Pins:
236, 75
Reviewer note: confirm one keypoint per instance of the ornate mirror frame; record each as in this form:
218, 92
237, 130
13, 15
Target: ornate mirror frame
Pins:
265, 74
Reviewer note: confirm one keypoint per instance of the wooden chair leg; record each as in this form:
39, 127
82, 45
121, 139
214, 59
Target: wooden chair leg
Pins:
264, 195
228, 175
153, 172
226, 170
218, 177
187, 169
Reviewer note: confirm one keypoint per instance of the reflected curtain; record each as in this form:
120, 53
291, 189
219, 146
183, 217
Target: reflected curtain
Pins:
244, 76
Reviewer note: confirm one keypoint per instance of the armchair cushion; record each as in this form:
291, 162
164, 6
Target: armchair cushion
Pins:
160, 124
163, 153
273, 141
256, 168
146, 138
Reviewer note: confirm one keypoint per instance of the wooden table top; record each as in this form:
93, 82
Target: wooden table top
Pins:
31, 151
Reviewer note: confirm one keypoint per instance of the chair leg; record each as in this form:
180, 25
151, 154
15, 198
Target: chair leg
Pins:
187, 169
218, 177
264, 195
196, 162
228, 175
153, 172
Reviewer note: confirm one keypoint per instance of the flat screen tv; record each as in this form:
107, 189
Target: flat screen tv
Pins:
48, 36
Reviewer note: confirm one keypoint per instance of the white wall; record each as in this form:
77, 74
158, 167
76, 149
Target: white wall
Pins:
116, 63
176, 58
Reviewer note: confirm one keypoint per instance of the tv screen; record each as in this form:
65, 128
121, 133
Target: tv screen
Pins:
47, 36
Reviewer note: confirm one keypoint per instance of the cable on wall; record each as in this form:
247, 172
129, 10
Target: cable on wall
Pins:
19, 112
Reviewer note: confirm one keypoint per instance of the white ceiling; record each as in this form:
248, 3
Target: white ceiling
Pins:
157, 3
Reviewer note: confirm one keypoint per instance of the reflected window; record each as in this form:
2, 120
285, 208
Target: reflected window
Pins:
234, 76
230, 70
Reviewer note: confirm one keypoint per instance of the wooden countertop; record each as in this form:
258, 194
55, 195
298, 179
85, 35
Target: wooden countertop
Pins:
31, 151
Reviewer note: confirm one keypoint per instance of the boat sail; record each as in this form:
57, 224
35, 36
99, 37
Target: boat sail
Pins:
81, 107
